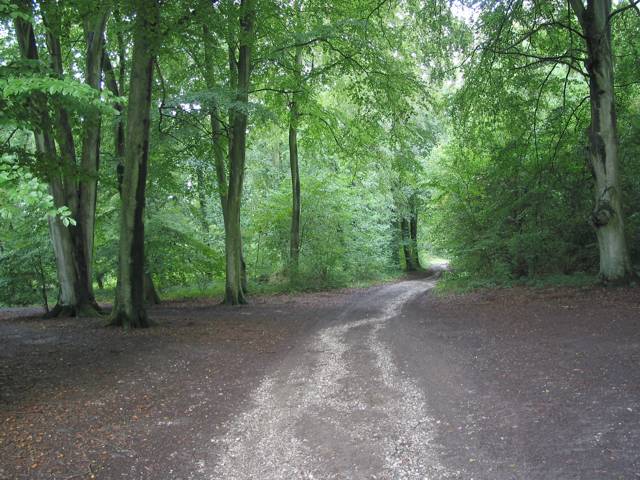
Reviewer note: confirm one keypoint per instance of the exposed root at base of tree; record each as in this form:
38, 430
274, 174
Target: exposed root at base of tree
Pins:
82, 310
630, 279
122, 320
232, 301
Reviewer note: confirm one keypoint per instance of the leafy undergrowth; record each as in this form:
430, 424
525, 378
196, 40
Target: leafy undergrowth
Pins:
215, 289
452, 282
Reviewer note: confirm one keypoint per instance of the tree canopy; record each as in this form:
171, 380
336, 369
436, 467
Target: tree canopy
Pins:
198, 147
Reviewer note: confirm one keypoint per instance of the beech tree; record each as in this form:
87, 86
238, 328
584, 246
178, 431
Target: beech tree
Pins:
72, 178
542, 36
607, 217
301, 144
129, 309
230, 173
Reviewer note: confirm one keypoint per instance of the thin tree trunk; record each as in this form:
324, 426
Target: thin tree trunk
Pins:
607, 216
230, 189
410, 264
43, 285
90, 159
413, 233
129, 310
202, 200
294, 117
115, 87
394, 243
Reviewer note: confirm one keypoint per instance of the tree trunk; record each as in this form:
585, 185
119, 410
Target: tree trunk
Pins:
129, 309
294, 116
413, 234
115, 86
90, 159
202, 201
72, 266
409, 258
607, 216
409, 232
230, 190
151, 296
240, 71
43, 285
394, 243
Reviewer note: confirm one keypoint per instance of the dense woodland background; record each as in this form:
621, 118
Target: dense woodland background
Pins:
379, 135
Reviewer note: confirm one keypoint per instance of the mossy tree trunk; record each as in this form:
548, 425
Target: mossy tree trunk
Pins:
114, 84
129, 309
409, 231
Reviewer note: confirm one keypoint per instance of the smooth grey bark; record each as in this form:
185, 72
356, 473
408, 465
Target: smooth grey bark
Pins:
72, 252
94, 27
607, 216
294, 118
129, 309
230, 177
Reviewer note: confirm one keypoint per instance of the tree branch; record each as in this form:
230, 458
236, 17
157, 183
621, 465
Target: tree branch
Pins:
632, 4
578, 9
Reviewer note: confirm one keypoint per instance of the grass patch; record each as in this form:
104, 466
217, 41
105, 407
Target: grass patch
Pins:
191, 292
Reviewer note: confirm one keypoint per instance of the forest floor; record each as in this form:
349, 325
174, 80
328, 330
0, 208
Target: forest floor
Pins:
388, 382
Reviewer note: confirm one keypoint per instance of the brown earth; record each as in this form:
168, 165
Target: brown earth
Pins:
521, 383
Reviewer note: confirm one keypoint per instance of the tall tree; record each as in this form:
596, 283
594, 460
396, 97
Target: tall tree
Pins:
574, 35
230, 174
72, 180
129, 309
294, 164
607, 217
409, 230
114, 84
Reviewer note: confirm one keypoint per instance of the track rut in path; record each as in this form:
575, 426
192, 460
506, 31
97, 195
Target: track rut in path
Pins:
338, 407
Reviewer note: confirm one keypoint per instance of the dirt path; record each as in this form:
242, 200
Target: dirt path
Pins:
384, 383
338, 407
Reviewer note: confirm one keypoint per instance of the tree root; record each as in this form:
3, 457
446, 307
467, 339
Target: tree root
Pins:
630, 279
119, 318
88, 310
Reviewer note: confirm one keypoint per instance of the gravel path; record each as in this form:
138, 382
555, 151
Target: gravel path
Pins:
339, 407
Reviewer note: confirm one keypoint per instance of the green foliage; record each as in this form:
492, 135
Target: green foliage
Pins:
27, 267
345, 233
454, 283
511, 186
490, 155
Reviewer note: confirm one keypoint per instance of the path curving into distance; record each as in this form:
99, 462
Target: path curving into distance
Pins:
338, 407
